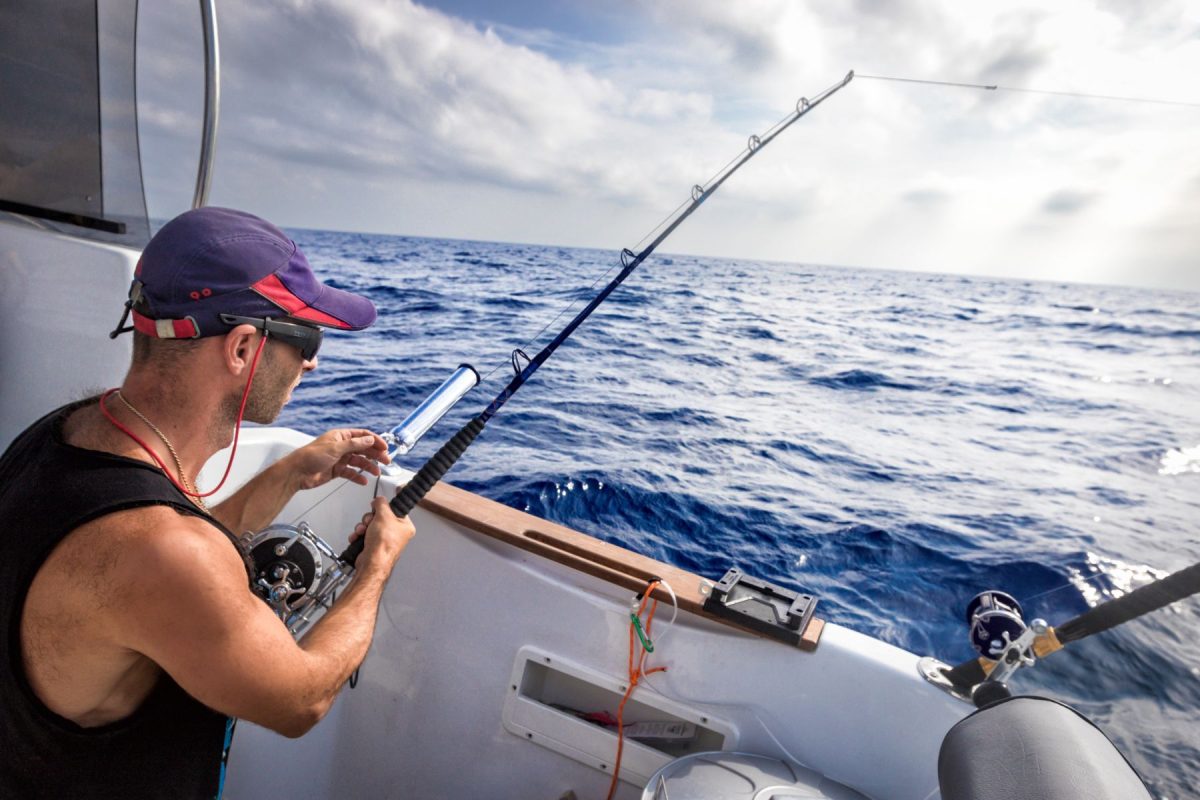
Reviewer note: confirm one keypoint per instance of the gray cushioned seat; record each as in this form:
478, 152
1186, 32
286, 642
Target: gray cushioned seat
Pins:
1033, 748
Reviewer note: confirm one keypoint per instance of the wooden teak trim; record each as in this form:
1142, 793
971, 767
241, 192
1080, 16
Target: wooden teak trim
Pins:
581, 552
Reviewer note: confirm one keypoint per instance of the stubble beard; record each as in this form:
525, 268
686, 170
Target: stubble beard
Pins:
269, 390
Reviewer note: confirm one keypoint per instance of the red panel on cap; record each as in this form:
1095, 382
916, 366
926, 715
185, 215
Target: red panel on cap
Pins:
183, 328
273, 289
144, 325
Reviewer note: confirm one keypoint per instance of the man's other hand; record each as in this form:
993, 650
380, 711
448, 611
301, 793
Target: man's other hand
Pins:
349, 453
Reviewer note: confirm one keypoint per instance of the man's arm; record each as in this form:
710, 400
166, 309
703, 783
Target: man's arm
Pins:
344, 453
182, 600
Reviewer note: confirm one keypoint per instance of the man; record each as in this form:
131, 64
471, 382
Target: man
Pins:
132, 638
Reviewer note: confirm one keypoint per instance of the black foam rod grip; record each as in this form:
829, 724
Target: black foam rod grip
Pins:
438, 465
1142, 600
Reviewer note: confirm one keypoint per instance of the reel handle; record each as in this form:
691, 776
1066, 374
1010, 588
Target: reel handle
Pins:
438, 465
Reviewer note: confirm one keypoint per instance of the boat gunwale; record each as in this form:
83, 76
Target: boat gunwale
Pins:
584, 552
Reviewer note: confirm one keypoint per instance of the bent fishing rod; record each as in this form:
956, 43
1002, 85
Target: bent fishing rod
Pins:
299, 575
441, 461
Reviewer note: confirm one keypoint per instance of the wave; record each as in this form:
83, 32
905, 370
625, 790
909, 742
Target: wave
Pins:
861, 380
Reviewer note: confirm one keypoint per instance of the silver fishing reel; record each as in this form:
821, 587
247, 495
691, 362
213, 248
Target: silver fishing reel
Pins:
296, 573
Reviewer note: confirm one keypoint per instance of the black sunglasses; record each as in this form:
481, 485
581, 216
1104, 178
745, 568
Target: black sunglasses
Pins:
306, 338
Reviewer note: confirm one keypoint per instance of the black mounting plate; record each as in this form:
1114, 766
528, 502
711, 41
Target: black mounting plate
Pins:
761, 606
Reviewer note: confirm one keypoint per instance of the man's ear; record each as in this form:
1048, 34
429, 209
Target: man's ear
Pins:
238, 348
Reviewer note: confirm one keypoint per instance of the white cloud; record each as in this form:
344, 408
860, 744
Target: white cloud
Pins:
1011, 165
350, 113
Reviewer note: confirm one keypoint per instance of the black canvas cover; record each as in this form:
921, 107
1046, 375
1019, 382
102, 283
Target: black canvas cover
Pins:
1033, 748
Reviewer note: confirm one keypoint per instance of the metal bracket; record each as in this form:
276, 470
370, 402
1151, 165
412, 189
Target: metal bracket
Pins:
761, 606
1019, 652
935, 671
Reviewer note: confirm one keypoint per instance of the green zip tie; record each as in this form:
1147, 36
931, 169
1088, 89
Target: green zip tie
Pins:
637, 626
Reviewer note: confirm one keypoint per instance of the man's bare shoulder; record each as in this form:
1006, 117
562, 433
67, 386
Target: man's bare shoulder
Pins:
124, 553
161, 536
151, 526
111, 590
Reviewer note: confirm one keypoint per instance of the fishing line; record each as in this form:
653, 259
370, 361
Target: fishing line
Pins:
662, 224
344, 483
700, 191
545, 327
994, 87
1074, 584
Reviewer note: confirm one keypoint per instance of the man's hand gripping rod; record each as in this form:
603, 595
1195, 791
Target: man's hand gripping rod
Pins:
410, 494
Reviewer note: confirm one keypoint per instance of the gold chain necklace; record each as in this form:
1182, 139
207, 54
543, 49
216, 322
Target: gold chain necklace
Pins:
190, 490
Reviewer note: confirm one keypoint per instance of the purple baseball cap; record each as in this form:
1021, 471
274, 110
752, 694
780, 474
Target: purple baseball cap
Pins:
211, 261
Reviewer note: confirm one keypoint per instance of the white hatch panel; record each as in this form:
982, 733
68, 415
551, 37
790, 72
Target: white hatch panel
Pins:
546, 694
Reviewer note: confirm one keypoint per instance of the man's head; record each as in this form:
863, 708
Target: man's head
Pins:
215, 272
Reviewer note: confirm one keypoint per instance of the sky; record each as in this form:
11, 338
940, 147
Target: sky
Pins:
581, 123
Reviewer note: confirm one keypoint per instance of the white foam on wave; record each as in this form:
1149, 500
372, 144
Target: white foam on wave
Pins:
1180, 460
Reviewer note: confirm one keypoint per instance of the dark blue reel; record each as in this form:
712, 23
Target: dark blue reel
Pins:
995, 619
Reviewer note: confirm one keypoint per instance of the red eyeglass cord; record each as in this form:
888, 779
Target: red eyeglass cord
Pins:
236, 431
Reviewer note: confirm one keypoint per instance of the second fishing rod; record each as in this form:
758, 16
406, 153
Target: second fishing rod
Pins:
440, 463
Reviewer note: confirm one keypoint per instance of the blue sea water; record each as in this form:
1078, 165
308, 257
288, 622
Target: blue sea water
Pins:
892, 442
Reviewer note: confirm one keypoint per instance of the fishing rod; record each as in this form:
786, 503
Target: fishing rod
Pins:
299, 575
441, 461
1005, 643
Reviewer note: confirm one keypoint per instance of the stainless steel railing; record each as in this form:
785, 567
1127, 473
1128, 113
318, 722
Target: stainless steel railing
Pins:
212, 102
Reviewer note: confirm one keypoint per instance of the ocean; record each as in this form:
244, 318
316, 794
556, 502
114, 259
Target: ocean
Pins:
892, 442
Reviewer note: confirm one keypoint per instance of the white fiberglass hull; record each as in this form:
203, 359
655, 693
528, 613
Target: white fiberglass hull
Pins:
467, 617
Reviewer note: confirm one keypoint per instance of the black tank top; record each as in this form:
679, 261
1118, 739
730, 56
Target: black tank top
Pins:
172, 746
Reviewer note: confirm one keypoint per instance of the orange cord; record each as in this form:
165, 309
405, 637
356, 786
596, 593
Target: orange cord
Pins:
635, 675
